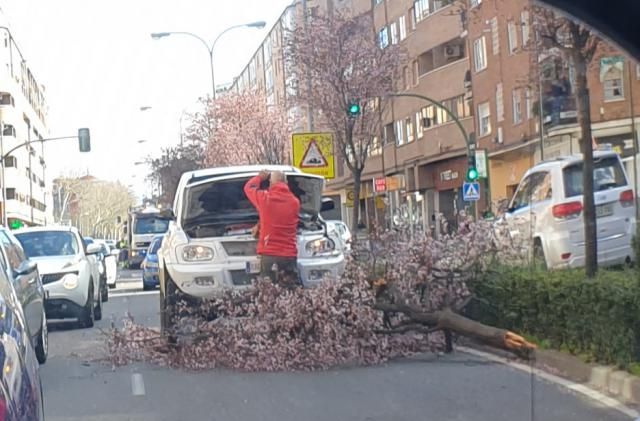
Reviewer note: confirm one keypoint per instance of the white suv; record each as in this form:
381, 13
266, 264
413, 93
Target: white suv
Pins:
547, 208
209, 245
69, 272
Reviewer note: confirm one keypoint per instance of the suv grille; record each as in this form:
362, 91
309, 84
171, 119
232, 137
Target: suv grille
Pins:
240, 248
241, 277
143, 245
54, 277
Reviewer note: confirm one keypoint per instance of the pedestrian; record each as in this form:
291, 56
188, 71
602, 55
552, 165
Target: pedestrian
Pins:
278, 213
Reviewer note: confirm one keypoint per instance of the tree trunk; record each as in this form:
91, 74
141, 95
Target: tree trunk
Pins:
355, 215
586, 146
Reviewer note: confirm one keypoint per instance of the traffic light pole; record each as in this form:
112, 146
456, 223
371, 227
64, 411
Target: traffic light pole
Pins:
469, 142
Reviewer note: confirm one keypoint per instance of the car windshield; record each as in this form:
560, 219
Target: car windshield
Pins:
150, 225
607, 174
48, 243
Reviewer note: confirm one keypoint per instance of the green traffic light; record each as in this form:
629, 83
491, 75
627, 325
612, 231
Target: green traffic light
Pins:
472, 174
15, 224
354, 109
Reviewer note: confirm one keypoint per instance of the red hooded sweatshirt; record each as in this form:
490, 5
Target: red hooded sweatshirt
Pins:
278, 210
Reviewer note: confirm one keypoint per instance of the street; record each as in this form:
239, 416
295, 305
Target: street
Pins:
459, 387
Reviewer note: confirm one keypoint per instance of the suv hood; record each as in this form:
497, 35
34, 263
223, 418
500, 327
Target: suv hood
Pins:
223, 197
56, 264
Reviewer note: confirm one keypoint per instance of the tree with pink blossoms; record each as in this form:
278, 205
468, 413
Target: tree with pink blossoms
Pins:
345, 64
247, 131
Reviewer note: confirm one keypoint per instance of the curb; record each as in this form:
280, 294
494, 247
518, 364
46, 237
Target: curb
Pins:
606, 379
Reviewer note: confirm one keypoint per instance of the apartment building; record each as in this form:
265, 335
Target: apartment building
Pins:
524, 100
23, 112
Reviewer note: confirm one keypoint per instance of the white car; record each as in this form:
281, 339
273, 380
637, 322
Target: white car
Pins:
343, 232
547, 209
209, 246
69, 272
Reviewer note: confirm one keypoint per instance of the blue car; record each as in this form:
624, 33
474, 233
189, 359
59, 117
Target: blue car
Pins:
150, 265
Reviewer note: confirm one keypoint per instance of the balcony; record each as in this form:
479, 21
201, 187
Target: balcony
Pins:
557, 111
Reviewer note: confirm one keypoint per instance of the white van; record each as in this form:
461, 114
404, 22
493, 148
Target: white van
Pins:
546, 209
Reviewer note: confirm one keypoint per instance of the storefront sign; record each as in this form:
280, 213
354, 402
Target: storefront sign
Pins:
481, 163
379, 185
448, 175
393, 183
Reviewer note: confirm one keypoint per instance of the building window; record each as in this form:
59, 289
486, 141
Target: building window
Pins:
474, 3
377, 2
525, 26
383, 37
495, 36
479, 54
415, 72
406, 77
528, 102
484, 119
421, 9
419, 125
517, 106
512, 37
409, 125
499, 103
412, 17
612, 79
399, 133
8, 130
393, 28
11, 162
402, 24
462, 108
11, 193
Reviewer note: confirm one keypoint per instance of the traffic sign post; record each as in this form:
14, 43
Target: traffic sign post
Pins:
471, 192
313, 153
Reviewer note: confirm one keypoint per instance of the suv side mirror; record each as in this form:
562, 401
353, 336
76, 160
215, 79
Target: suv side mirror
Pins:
94, 249
26, 268
327, 204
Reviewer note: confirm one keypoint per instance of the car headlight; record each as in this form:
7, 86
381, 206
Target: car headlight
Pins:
320, 246
70, 281
197, 253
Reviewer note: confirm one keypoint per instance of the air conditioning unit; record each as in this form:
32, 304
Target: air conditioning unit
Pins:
453, 51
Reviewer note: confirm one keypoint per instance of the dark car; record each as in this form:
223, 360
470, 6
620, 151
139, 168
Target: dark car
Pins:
150, 265
20, 387
23, 274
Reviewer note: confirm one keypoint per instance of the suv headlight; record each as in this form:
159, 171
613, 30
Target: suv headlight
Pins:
197, 253
320, 246
70, 281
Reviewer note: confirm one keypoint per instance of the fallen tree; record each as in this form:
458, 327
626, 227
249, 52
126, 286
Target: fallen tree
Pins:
392, 301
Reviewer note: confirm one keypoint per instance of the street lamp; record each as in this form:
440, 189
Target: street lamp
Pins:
142, 140
257, 24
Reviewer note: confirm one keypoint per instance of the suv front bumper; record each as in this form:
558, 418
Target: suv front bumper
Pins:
208, 280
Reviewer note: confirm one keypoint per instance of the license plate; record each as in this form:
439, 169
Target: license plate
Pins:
604, 210
253, 267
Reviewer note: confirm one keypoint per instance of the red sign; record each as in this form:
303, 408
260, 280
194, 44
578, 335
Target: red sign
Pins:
379, 185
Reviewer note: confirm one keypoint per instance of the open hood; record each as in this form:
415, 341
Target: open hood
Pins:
223, 198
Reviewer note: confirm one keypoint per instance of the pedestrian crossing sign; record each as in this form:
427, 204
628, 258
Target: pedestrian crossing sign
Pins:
471, 192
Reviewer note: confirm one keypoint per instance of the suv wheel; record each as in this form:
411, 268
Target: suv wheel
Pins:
538, 254
167, 309
87, 317
104, 290
97, 314
42, 347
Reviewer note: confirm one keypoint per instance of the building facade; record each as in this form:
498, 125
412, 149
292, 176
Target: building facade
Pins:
480, 60
23, 113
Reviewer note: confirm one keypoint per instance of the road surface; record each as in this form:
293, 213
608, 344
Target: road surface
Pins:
458, 387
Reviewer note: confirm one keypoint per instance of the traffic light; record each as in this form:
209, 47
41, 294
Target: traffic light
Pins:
15, 224
84, 140
354, 109
472, 171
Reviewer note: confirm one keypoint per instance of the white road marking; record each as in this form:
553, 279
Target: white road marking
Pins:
599, 397
130, 294
137, 385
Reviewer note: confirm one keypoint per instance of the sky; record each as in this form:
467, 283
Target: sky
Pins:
99, 66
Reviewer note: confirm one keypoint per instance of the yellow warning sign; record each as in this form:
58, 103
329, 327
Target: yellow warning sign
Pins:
313, 153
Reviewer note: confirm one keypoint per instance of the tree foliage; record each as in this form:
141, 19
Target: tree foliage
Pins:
248, 131
341, 57
167, 169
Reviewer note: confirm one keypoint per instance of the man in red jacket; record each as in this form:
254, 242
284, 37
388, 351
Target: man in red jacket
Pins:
278, 210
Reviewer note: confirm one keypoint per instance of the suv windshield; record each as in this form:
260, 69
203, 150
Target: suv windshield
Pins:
150, 226
48, 243
607, 174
